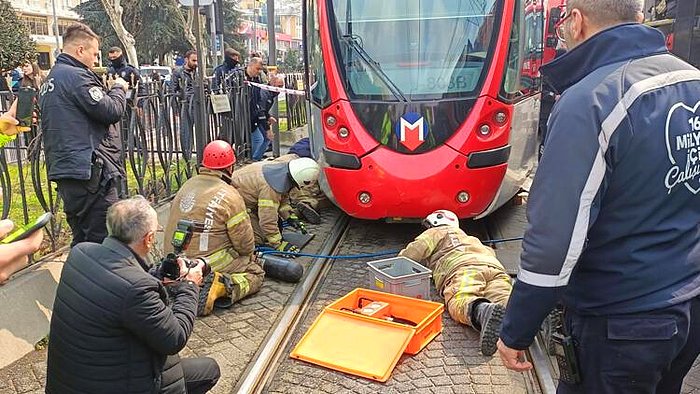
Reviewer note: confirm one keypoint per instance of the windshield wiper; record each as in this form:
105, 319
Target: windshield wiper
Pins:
374, 65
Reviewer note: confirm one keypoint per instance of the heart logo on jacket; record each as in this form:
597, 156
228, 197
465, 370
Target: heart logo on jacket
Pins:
683, 147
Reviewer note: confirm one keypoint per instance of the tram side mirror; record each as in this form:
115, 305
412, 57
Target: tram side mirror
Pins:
554, 18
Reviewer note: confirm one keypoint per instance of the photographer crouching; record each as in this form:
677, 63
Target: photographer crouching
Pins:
113, 328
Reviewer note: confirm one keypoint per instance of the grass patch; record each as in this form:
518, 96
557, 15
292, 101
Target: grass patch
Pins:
23, 194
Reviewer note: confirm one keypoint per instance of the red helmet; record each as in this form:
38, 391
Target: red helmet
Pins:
218, 155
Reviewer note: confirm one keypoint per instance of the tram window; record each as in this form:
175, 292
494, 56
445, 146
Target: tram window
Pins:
522, 75
318, 85
392, 50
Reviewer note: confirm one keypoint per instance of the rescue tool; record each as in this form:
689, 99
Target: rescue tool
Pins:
365, 333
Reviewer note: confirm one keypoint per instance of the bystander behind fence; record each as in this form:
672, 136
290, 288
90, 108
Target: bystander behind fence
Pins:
151, 151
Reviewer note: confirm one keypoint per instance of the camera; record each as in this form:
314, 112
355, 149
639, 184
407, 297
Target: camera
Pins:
169, 267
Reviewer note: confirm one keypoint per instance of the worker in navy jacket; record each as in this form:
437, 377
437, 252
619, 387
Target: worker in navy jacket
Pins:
614, 210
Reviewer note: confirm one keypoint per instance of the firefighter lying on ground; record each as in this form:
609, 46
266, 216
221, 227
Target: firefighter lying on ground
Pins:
227, 239
265, 188
308, 200
467, 274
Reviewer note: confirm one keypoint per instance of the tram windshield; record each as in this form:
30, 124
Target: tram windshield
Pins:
406, 50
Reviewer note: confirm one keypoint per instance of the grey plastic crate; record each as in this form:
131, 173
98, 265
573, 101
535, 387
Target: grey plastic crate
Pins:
400, 275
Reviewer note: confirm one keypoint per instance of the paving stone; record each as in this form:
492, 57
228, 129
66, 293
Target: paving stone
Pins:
441, 380
482, 389
445, 363
432, 372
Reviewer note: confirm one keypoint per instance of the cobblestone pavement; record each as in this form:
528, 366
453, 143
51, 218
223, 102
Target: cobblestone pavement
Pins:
230, 336
451, 363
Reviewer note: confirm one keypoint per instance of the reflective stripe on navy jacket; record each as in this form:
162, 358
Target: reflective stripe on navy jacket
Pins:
614, 210
78, 119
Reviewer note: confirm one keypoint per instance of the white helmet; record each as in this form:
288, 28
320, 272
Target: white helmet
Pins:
304, 171
441, 217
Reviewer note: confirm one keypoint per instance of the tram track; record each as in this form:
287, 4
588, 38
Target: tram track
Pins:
265, 360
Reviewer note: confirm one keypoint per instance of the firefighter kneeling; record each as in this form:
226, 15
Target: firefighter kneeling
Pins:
226, 239
467, 274
265, 188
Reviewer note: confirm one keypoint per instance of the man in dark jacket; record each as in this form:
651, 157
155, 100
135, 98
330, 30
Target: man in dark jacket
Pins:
81, 139
614, 210
231, 64
257, 114
183, 87
112, 330
265, 120
120, 68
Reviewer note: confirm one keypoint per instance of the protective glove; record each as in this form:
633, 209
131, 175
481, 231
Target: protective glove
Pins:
295, 222
287, 247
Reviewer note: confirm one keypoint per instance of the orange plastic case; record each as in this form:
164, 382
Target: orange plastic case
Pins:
364, 345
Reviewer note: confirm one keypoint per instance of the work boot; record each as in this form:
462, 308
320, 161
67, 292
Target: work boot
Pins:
213, 288
308, 213
489, 316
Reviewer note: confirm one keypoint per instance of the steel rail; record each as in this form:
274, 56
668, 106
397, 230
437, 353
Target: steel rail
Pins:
542, 367
259, 372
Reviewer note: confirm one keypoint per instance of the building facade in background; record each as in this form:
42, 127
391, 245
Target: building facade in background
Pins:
288, 29
38, 17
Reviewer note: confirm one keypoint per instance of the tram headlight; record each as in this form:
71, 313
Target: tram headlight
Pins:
463, 197
500, 118
343, 132
365, 197
331, 121
485, 130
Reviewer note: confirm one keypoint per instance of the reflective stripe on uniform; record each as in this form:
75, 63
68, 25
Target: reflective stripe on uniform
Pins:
242, 282
219, 259
274, 239
428, 243
596, 176
236, 219
267, 203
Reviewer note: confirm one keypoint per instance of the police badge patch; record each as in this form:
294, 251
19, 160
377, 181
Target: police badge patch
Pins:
96, 93
187, 202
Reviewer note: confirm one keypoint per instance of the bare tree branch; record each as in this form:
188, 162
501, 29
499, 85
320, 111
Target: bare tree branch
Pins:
115, 11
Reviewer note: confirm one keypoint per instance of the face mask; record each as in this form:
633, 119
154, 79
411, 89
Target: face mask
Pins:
231, 62
118, 62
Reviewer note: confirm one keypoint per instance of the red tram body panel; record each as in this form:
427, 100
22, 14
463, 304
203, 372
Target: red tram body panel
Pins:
416, 106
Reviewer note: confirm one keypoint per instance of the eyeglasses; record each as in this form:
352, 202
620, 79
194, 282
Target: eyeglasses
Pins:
558, 28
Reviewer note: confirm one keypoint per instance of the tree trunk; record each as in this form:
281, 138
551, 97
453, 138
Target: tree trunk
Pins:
115, 11
187, 26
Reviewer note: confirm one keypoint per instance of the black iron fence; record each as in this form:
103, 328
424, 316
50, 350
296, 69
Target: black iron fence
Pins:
156, 161
296, 105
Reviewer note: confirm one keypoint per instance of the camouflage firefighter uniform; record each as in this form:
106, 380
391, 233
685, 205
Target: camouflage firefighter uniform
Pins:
464, 270
310, 194
265, 188
227, 238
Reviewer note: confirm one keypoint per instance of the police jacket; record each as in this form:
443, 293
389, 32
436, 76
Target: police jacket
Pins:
126, 71
302, 148
264, 188
79, 121
183, 82
112, 330
221, 74
445, 249
614, 210
227, 234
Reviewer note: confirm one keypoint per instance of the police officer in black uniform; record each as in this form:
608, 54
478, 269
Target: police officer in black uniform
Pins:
80, 134
120, 68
